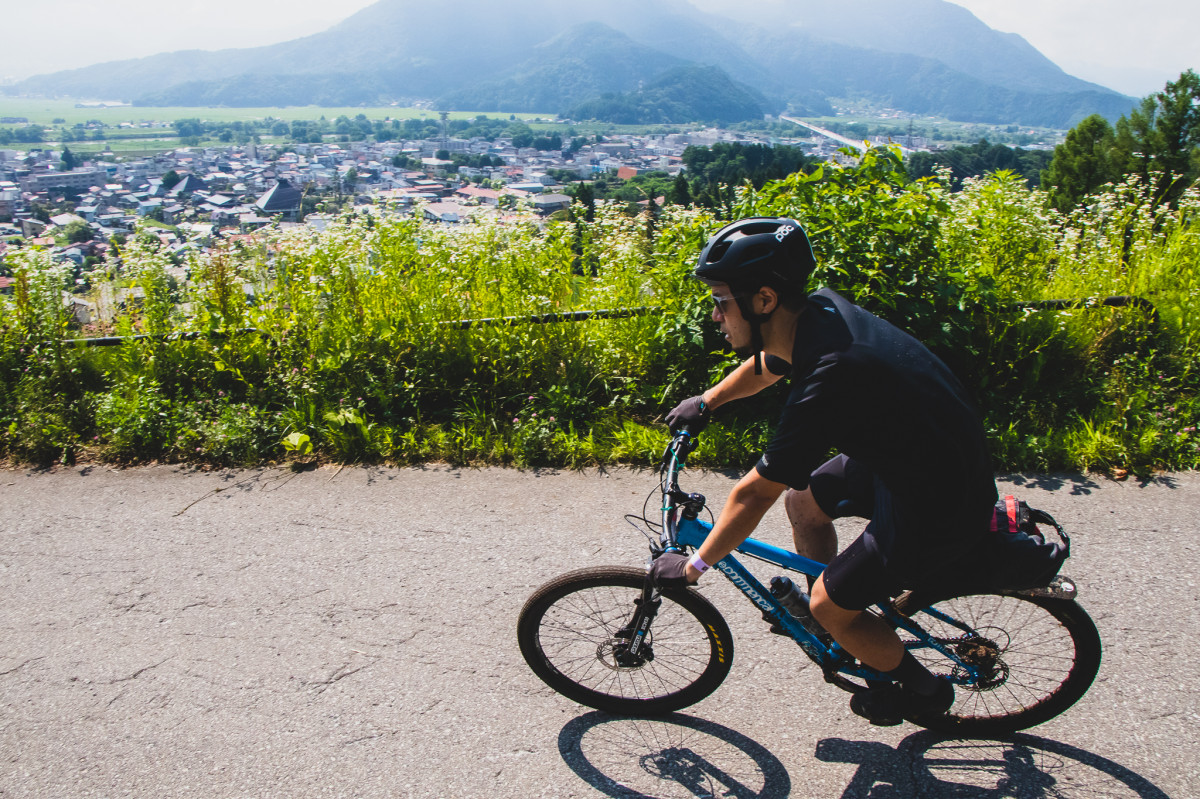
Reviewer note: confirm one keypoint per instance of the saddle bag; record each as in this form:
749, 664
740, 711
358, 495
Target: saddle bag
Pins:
1018, 555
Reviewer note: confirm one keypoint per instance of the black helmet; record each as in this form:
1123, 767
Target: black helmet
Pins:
758, 251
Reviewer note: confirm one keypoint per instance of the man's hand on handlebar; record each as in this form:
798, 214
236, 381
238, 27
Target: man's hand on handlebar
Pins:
692, 413
670, 570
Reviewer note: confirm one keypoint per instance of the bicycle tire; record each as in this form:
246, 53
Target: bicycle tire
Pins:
1037, 655
569, 628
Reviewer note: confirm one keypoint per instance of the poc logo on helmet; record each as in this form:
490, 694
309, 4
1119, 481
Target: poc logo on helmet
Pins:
783, 232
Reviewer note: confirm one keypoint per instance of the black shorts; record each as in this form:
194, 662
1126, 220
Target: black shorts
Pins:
858, 577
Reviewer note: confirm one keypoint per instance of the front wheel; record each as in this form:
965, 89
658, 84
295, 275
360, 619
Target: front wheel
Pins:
574, 633
1027, 659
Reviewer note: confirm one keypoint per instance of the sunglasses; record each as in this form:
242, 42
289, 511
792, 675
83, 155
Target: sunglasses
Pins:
721, 302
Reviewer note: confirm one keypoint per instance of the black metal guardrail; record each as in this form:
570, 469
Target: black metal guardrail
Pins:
1122, 301
553, 318
505, 321
583, 316
190, 335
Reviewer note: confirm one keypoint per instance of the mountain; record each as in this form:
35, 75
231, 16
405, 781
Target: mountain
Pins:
684, 94
937, 30
922, 57
584, 62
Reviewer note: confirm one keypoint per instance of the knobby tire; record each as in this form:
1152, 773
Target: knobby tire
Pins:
570, 631
1040, 657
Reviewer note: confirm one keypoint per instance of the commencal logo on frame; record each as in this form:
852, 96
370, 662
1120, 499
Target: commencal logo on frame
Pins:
744, 586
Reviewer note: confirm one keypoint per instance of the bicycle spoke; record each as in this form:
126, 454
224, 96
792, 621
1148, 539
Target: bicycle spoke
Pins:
585, 623
1032, 654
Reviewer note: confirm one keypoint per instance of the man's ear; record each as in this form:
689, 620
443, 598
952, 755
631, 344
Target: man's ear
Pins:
765, 300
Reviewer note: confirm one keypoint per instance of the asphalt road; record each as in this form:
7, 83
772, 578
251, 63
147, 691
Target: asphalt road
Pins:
350, 633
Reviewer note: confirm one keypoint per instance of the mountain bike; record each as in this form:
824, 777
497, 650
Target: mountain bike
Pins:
607, 638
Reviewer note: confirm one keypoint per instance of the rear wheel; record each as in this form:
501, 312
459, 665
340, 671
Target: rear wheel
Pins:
574, 632
1027, 659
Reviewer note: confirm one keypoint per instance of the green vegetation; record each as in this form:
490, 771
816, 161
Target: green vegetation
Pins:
708, 181
710, 170
683, 94
134, 131
863, 123
979, 160
356, 359
46, 112
94, 129
1159, 141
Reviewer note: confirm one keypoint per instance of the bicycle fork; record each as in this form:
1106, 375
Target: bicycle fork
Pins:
636, 652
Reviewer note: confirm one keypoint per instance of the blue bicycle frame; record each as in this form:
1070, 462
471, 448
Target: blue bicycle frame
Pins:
683, 529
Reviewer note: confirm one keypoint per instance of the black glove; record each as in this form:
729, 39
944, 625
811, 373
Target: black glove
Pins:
691, 413
669, 571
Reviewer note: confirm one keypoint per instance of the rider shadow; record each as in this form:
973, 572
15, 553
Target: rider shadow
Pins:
1019, 766
683, 756
669, 756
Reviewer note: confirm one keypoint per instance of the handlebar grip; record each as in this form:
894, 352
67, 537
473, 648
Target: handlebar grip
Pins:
688, 440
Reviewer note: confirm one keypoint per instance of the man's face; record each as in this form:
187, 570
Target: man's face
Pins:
728, 315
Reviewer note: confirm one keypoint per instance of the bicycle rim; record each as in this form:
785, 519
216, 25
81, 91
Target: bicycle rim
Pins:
1033, 658
572, 631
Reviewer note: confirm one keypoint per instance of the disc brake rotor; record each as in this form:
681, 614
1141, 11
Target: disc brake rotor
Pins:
614, 654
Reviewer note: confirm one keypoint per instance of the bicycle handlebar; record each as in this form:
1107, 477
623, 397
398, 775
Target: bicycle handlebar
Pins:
682, 444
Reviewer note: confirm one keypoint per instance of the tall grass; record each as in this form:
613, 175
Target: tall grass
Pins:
360, 354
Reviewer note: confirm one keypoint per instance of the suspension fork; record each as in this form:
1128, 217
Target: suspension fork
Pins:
639, 626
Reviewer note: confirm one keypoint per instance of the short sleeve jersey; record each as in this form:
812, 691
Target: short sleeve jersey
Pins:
865, 388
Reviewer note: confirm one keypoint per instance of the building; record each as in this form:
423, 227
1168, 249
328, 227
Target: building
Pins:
546, 204
282, 198
77, 179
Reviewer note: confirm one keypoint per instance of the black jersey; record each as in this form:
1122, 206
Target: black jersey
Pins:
865, 388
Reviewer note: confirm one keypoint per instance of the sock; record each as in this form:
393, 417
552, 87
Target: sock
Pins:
914, 676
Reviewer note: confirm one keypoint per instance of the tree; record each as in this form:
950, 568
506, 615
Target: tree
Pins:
69, 161
731, 164
74, 233
978, 160
585, 196
1162, 135
170, 179
521, 134
191, 128
681, 193
1084, 162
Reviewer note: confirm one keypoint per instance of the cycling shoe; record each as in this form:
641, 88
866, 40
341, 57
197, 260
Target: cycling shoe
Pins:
889, 704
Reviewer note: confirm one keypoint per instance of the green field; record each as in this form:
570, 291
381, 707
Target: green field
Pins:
44, 112
138, 141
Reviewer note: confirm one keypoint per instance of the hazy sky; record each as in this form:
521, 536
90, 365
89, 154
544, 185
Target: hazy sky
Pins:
1131, 47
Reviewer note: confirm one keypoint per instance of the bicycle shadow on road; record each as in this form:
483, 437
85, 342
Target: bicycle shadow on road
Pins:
669, 756
1020, 766
684, 756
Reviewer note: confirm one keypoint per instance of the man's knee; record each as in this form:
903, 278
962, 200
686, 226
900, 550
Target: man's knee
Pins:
803, 510
830, 615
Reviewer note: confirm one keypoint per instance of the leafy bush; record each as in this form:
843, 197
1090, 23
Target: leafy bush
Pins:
384, 338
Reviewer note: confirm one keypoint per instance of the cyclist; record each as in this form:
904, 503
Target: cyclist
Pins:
913, 458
